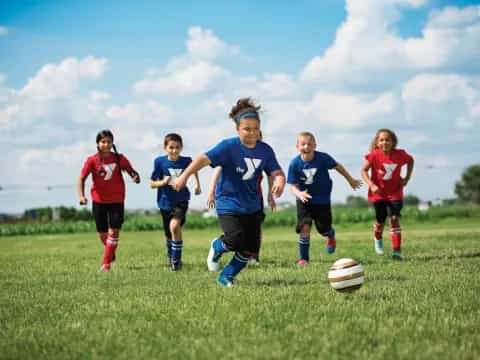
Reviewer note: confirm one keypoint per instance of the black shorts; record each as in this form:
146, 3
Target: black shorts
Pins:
384, 208
108, 216
242, 232
179, 211
321, 214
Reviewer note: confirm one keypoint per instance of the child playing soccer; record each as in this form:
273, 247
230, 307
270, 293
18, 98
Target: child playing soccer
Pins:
173, 205
310, 182
385, 186
238, 199
108, 192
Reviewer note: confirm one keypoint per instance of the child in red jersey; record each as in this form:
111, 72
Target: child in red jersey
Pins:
385, 186
108, 192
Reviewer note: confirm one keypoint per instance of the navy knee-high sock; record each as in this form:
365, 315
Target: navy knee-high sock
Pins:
304, 247
177, 246
238, 262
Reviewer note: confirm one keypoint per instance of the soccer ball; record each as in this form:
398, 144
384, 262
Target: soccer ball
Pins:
346, 275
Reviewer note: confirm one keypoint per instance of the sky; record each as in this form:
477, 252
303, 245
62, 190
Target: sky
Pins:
340, 69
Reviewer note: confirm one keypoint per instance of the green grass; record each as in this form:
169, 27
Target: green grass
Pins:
54, 304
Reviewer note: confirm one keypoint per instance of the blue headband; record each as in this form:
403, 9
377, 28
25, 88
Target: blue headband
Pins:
248, 114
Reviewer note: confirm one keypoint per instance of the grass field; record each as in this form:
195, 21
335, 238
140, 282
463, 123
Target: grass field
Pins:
54, 304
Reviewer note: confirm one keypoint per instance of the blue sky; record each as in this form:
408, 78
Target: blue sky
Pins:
340, 69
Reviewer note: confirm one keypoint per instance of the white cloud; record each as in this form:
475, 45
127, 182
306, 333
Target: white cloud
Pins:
3, 31
203, 44
367, 47
147, 112
442, 99
63, 79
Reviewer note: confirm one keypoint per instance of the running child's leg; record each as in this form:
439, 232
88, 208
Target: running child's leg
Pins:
177, 243
380, 217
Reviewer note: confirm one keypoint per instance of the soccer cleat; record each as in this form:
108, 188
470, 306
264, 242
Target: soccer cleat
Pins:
331, 242
105, 268
396, 255
225, 281
175, 265
213, 258
301, 263
379, 246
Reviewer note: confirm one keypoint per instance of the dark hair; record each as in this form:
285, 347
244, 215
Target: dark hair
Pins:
104, 134
172, 137
243, 105
373, 144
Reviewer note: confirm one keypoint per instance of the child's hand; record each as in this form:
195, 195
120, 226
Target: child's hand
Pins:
165, 180
211, 201
304, 196
198, 190
83, 200
277, 189
271, 202
375, 189
404, 181
355, 184
179, 183
136, 178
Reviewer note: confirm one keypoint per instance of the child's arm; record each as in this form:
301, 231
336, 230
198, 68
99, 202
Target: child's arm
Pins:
354, 183
406, 179
270, 198
278, 178
213, 184
197, 164
364, 172
81, 190
134, 175
198, 189
154, 184
303, 196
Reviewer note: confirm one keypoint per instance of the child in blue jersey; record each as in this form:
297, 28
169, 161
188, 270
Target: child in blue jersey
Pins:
173, 204
238, 199
310, 182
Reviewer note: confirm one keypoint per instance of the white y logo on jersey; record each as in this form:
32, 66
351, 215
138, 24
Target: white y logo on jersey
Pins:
389, 169
252, 165
109, 170
309, 173
174, 174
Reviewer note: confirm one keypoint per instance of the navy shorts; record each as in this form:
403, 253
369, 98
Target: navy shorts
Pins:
179, 211
320, 214
108, 216
242, 232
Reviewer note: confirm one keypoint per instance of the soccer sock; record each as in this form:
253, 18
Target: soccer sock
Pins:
378, 230
304, 247
177, 246
396, 234
110, 248
238, 262
331, 234
168, 243
103, 237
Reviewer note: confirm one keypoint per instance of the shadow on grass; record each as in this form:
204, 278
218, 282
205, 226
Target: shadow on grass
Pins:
280, 282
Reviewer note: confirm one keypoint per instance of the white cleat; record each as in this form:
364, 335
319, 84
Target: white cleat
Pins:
211, 263
379, 247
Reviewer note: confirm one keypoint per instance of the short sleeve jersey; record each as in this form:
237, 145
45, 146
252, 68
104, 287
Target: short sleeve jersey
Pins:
108, 185
167, 197
313, 176
385, 172
237, 190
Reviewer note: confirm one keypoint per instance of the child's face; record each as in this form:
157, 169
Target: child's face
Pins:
306, 145
249, 131
105, 145
173, 149
385, 142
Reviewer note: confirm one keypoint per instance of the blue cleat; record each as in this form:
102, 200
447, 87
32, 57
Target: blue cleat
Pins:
379, 247
225, 281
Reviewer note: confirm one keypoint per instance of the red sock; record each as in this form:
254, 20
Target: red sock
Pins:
110, 248
378, 230
396, 234
103, 237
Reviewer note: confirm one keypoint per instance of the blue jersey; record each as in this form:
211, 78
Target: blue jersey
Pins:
237, 190
167, 197
313, 176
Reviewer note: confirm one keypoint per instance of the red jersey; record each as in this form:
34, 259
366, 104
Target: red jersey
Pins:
108, 185
385, 173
